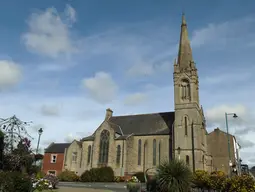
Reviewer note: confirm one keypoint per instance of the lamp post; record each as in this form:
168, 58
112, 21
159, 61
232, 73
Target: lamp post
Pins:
40, 131
179, 153
229, 152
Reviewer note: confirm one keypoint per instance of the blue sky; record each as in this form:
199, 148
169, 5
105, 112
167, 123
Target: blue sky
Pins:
62, 63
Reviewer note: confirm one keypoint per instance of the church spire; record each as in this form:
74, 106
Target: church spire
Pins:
185, 59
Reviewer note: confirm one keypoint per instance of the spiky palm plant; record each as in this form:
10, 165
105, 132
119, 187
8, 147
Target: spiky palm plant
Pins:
174, 176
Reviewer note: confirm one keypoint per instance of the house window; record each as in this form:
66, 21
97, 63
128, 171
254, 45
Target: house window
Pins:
89, 154
139, 151
53, 158
104, 147
74, 156
159, 152
52, 172
186, 125
154, 152
187, 160
118, 154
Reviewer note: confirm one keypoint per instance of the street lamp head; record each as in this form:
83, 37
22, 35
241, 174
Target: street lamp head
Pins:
40, 131
235, 116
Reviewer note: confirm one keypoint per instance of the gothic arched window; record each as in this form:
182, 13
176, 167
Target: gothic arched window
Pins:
118, 154
104, 146
185, 90
154, 152
186, 125
159, 152
187, 160
89, 154
139, 151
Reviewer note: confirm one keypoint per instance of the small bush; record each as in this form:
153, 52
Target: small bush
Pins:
102, 174
68, 176
243, 183
15, 182
140, 176
106, 174
86, 176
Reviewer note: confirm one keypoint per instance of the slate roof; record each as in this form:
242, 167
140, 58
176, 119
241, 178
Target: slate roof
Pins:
141, 124
144, 124
57, 148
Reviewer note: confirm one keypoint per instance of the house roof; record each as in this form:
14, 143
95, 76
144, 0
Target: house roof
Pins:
57, 147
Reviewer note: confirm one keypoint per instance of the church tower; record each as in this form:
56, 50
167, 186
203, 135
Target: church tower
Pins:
189, 126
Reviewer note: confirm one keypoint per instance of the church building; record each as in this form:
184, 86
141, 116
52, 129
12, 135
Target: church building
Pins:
135, 143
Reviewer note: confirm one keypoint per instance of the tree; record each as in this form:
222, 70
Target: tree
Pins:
21, 158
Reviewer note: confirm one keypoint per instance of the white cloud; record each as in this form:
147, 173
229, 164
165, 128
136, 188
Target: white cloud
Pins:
10, 74
141, 69
135, 99
70, 137
101, 87
70, 14
216, 116
221, 34
50, 110
49, 34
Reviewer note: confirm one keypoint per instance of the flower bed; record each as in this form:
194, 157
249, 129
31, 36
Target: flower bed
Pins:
45, 183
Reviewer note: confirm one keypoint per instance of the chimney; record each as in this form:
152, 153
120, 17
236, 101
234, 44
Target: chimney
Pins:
108, 114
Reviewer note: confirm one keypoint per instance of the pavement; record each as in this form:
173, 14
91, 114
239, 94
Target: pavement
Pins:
114, 187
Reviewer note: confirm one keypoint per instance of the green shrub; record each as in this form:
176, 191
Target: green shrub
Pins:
69, 176
95, 174
140, 176
106, 174
15, 182
102, 174
86, 176
243, 183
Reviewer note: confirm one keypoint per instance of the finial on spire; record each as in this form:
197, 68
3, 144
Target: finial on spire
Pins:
183, 19
175, 61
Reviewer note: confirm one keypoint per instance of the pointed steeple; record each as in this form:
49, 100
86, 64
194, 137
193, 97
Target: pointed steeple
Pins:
185, 58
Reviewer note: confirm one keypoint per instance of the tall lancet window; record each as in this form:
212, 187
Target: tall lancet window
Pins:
185, 90
104, 147
154, 152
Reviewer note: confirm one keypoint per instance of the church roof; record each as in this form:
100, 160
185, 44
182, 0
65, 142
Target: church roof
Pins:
144, 124
141, 124
57, 147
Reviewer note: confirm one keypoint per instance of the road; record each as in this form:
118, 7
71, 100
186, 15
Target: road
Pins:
115, 187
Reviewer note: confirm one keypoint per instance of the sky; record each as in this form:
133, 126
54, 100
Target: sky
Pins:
63, 62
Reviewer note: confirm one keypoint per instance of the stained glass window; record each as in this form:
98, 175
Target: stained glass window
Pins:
104, 146
118, 154
89, 154
154, 152
139, 151
159, 151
